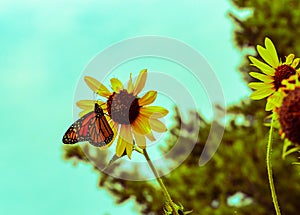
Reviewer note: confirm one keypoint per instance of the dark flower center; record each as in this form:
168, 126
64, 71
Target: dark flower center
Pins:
289, 116
282, 72
123, 107
180, 212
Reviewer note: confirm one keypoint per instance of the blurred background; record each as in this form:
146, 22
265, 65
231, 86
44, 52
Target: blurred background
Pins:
45, 45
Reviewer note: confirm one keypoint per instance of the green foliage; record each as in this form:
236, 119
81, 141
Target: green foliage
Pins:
278, 20
239, 164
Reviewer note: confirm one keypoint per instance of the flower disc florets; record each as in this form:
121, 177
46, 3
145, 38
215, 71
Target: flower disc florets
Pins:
123, 107
289, 116
282, 72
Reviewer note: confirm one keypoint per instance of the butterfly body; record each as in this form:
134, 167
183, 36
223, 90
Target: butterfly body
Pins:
92, 127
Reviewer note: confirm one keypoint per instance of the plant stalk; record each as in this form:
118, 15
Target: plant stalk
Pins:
160, 182
269, 169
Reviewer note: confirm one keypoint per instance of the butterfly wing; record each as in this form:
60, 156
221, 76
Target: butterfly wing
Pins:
71, 136
92, 127
100, 133
79, 130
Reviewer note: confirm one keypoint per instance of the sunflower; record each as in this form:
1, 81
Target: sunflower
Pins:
286, 112
129, 115
288, 109
273, 72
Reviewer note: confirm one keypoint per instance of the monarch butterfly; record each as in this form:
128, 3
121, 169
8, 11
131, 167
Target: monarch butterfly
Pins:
92, 127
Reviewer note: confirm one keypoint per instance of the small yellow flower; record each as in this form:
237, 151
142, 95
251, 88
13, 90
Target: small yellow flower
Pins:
273, 72
129, 114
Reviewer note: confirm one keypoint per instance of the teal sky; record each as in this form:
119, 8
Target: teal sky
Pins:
45, 45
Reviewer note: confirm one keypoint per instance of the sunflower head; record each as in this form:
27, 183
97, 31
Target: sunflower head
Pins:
282, 72
123, 107
289, 116
289, 109
273, 72
130, 114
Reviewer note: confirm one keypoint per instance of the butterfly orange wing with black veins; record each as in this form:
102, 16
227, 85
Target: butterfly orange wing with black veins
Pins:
100, 131
92, 127
78, 131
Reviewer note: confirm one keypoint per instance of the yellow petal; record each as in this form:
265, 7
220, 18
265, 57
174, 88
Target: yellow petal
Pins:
288, 85
262, 77
157, 126
114, 127
129, 148
295, 62
289, 59
116, 85
274, 101
151, 137
148, 98
262, 66
121, 145
266, 56
130, 85
86, 104
125, 141
85, 112
260, 85
272, 51
139, 139
269, 106
103, 106
260, 94
126, 133
141, 125
140, 82
97, 87
153, 112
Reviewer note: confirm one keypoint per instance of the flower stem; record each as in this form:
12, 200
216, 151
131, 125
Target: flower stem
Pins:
159, 180
269, 169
